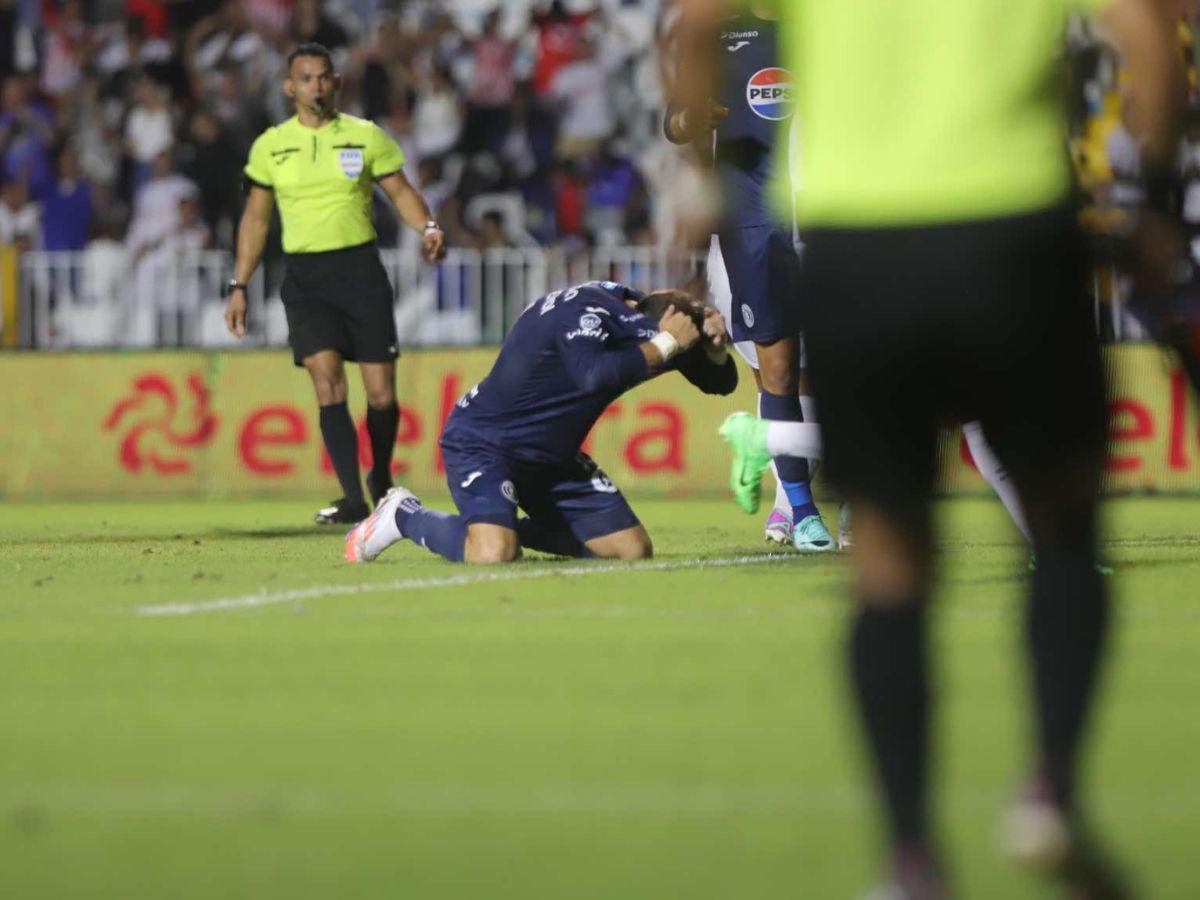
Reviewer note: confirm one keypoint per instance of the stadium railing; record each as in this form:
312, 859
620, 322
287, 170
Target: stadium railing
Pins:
100, 298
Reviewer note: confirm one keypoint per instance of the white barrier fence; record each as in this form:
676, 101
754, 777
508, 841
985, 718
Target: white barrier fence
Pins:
99, 298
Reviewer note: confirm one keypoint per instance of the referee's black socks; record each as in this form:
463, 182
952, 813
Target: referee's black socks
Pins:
337, 428
889, 671
381, 427
1067, 624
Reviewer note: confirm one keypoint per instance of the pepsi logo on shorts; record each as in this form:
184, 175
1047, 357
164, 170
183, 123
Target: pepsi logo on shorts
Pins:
769, 93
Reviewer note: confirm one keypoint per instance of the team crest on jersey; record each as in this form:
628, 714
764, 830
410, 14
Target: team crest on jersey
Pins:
769, 93
351, 162
589, 321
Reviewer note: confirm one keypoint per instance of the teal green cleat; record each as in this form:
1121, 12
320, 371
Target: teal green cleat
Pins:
811, 536
747, 437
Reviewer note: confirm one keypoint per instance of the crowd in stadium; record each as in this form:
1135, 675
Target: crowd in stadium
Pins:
526, 122
522, 123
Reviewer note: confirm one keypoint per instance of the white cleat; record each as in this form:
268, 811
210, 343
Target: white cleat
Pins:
779, 527
378, 531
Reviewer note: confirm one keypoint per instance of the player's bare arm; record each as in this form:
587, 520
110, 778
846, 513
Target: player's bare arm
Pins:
252, 238
412, 208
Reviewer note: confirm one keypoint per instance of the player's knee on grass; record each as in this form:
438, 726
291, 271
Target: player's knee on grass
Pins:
490, 544
632, 543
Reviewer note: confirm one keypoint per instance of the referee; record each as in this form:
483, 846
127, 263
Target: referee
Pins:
943, 277
320, 167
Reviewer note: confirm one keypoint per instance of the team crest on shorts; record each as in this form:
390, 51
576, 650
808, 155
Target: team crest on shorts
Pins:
747, 315
509, 490
603, 483
351, 162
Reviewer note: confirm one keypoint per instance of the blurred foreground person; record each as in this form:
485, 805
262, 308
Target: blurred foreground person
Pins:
943, 278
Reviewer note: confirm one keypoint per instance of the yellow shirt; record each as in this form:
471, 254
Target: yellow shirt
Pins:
923, 111
323, 179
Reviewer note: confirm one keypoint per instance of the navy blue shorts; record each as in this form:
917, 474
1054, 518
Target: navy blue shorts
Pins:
577, 495
764, 278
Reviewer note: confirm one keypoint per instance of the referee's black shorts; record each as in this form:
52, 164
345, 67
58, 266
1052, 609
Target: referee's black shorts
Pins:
340, 300
909, 329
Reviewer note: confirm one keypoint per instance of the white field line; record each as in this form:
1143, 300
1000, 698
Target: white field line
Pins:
522, 573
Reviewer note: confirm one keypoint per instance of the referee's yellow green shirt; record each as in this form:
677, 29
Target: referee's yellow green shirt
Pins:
923, 111
323, 179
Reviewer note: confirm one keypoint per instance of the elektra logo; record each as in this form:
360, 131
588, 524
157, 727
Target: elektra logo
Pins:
769, 93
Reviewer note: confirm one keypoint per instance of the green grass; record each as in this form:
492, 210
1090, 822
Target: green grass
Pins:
632, 734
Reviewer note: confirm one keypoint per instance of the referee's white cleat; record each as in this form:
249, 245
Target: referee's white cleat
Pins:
378, 531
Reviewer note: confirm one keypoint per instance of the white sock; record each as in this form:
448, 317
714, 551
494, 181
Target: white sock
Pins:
794, 439
809, 406
781, 498
995, 474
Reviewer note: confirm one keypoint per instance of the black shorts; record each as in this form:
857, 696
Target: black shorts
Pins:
909, 329
340, 300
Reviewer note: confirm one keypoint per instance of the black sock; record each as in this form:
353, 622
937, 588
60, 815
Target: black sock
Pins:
341, 442
888, 664
381, 426
1067, 622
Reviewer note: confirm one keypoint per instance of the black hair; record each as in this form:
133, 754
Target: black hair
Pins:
655, 305
312, 48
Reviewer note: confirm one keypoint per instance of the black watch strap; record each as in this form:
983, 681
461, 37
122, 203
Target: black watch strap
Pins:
234, 285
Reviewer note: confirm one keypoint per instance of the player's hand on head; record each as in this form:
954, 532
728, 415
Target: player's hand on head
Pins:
433, 244
235, 314
680, 326
714, 327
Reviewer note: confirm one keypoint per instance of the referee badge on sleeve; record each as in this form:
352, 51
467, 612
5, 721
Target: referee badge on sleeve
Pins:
351, 162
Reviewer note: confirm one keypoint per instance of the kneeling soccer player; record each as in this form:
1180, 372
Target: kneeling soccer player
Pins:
513, 441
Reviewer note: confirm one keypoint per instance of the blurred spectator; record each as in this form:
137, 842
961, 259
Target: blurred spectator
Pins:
437, 115
206, 162
94, 120
19, 218
156, 207
128, 51
149, 130
587, 113
66, 45
26, 135
493, 86
311, 24
614, 187
68, 207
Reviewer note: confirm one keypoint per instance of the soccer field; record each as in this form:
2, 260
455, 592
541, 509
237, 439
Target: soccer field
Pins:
200, 699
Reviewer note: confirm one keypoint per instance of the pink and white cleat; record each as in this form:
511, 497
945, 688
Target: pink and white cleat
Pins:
378, 531
779, 527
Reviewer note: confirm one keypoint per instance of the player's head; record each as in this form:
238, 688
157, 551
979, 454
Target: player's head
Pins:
655, 305
311, 82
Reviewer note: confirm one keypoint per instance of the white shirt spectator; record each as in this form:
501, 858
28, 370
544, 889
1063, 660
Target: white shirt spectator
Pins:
24, 222
588, 114
149, 133
437, 120
156, 211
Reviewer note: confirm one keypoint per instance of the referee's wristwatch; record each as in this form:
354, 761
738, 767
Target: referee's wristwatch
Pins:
432, 226
234, 285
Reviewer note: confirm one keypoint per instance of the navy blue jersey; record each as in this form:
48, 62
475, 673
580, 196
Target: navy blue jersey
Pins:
757, 94
568, 356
